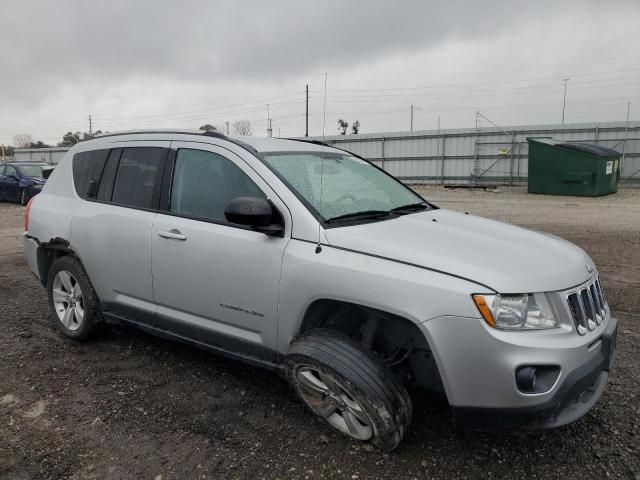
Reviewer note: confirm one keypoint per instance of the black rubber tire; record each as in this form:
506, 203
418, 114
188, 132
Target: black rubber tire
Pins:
362, 374
92, 323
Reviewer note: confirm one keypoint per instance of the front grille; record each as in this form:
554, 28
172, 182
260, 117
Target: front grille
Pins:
587, 306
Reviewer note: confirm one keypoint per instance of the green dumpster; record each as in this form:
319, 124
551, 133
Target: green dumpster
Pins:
572, 168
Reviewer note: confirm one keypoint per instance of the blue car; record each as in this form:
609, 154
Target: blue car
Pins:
19, 181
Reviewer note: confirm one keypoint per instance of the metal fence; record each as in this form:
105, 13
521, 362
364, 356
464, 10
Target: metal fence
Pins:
484, 155
50, 155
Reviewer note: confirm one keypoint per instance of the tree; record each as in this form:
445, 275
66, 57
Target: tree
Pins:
355, 127
207, 127
69, 139
39, 144
342, 126
89, 136
242, 127
22, 140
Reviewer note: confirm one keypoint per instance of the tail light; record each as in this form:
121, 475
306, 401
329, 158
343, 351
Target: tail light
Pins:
26, 214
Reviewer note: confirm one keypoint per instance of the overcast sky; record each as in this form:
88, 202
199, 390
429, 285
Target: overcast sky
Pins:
149, 64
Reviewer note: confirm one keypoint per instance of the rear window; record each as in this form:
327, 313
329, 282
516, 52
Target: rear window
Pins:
88, 166
139, 176
31, 170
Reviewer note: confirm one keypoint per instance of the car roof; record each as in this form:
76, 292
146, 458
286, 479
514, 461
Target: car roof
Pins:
254, 144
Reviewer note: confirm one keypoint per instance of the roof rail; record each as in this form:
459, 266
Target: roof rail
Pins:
161, 131
314, 142
205, 133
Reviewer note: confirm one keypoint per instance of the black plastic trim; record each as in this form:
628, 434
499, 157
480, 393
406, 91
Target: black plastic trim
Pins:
175, 330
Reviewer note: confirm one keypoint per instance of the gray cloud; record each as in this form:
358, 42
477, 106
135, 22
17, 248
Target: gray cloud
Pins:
50, 49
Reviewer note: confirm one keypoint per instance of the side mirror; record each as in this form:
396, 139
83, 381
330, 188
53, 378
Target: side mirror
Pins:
254, 212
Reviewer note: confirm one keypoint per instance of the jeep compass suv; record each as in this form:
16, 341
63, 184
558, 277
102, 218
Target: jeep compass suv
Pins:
313, 262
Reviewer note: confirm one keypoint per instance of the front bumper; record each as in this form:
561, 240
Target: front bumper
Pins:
573, 398
477, 365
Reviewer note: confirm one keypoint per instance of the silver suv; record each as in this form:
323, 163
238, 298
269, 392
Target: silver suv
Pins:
313, 262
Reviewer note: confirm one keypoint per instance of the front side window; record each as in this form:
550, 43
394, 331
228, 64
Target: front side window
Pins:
138, 175
11, 171
204, 183
338, 185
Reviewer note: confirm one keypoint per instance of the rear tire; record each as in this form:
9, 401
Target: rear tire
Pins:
74, 305
347, 386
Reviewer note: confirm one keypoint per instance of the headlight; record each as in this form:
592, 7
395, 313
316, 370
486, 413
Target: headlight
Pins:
530, 311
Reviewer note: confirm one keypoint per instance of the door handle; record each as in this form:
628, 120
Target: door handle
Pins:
172, 234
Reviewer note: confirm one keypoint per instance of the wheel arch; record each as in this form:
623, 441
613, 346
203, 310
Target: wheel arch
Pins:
49, 252
395, 339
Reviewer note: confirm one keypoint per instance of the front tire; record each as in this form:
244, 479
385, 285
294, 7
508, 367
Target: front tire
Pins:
347, 386
74, 305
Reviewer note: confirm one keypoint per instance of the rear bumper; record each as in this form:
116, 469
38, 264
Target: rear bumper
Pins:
577, 394
31, 253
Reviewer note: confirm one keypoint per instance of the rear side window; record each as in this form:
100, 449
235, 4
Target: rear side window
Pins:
109, 175
139, 177
204, 183
87, 167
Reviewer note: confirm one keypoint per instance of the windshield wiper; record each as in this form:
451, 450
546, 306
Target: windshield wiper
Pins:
359, 215
412, 207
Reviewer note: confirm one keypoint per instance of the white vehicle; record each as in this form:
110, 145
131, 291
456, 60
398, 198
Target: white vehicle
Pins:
313, 262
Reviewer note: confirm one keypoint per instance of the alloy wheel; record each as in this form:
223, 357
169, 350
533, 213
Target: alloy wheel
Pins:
67, 300
331, 401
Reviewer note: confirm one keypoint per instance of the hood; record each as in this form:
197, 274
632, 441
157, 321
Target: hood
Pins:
507, 258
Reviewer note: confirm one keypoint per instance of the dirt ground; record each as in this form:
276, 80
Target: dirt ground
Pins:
133, 406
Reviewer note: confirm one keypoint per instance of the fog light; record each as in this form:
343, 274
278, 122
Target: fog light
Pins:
536, 378
526, 379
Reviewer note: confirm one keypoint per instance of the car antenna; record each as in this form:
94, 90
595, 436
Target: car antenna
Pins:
324, 124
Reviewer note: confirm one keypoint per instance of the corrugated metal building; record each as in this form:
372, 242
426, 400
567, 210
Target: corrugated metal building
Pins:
484, 155
50, 155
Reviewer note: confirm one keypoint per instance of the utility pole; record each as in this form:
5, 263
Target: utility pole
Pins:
564, 97
624, 143
306, 129
412, 110
269, 130
90, 130
324, 107
412, 118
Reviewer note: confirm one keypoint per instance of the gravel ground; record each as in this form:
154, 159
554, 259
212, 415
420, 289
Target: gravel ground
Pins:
133, 406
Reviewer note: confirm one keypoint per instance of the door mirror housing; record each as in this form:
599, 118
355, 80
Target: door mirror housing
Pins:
254, 212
